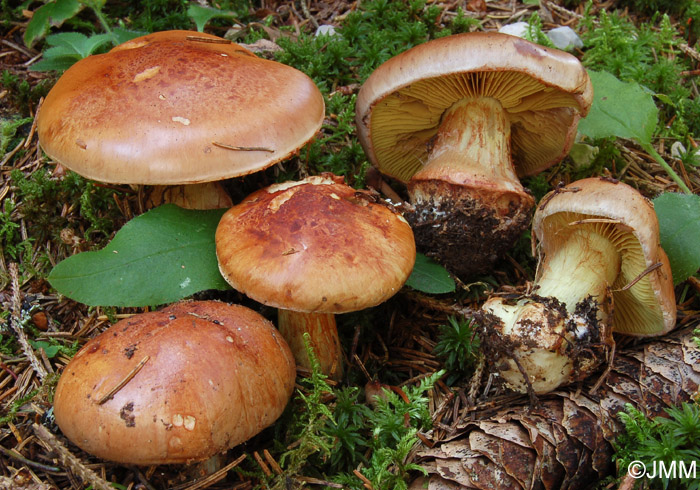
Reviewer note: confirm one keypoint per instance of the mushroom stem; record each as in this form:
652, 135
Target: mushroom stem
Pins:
585, 265
325, 343
469, 183
559, 333
472, 147
202, 196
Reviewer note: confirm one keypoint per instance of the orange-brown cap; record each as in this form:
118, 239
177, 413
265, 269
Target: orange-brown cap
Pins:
544, 92
316, 245
618, 211
177, 107
177, 385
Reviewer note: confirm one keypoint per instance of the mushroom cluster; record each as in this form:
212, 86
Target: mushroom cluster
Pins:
314, 248
601, 269
174, 108
460, 119
186, 110
176, 385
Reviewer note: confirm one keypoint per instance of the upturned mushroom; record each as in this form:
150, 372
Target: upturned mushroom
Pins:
601, 270
460, 119
314, 248
175, 386
178, 107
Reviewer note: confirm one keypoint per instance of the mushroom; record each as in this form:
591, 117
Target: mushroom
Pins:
601, 269
459, 119
178, 107
314, 248
176, 385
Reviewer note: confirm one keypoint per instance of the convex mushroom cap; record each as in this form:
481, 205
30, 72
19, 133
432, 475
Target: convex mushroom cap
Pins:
315, 246
460, 118
177, 385
601, 270
177, 107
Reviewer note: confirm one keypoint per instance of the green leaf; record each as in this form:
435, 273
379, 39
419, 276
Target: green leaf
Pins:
68, 48
201, 15
679, 226
122, 35
57, 63
430, 277
8, 129
619, 109
159, 257
49, 349
51, 14
624, 110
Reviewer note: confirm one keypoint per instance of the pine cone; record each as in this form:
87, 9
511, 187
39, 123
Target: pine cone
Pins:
565, 440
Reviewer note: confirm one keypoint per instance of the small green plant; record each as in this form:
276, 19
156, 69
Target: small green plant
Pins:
306, 430
22, 94
669, 440
16, 406
458, 347
535, 32
8, 130
649, 56
331, 433
41, 198
66, 48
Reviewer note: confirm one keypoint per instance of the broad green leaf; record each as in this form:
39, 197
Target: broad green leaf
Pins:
51, 14
619, 109
624, 110
679, 226
159, 257
430, 277
201, 15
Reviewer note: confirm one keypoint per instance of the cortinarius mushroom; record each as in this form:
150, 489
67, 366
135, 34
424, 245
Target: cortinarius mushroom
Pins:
601, 269
177, 385
177, 107
315, 248
460, 118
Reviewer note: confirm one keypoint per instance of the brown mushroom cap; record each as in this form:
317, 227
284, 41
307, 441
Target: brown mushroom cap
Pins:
177, 107
544, 92
618, 211
316, 245
201, 377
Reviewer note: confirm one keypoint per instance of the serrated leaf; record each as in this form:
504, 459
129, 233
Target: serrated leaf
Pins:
122, 35
201, 15
679, 226
68, 48
51, 14
60, 63
623, 110
158, 257
93, 43
430, 277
